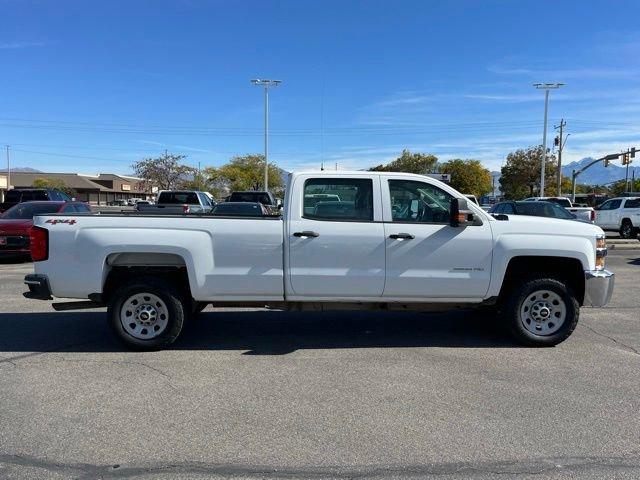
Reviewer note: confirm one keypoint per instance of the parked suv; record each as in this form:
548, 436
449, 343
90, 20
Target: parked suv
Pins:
19, 195
620, 215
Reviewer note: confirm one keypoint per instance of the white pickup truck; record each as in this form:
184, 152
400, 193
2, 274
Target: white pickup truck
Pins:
375, 241
621, 215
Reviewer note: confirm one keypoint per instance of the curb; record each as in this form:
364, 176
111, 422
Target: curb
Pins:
624, 246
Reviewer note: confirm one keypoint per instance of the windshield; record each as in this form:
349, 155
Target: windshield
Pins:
543, 209
260, 197
178, 198
26, 211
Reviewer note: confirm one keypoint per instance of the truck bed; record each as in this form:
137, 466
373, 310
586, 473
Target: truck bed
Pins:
232, 253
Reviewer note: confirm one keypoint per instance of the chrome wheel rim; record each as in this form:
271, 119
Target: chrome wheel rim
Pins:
543, 312
144, 316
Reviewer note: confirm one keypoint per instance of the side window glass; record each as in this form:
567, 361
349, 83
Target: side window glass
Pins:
69, 209
508, 209
41, 195
349, 199
632, 203
615, 204
420, 202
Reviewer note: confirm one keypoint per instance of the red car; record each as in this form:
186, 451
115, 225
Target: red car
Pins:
16, 222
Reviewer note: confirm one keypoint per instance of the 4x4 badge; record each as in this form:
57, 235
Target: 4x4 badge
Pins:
55, 221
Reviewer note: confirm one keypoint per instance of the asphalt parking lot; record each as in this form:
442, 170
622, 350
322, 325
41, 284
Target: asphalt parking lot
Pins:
296, 395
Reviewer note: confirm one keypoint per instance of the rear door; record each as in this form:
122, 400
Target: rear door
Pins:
336, 247
426, 257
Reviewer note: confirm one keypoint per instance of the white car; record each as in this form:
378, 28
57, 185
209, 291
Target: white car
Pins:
620, 215
392, 241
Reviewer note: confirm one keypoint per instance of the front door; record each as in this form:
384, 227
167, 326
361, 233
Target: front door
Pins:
426, 257
335, 238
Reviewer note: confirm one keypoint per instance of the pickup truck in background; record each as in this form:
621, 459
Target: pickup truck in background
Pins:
582, 213
381, 240
620, 215
171, 202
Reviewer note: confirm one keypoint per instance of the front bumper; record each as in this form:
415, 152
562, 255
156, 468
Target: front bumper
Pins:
38, 287
598, 287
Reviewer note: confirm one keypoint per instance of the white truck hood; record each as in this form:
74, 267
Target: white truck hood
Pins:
525, 224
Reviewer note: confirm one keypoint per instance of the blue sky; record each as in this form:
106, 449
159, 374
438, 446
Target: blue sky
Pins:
90, 86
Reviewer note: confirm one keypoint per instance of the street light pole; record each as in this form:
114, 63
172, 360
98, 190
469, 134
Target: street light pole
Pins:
266, 84
546, 87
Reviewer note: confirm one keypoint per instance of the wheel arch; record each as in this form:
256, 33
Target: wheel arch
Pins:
568, 270
120, 267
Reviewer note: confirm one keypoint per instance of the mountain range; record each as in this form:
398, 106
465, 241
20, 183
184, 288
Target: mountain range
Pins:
21, 170
598, 174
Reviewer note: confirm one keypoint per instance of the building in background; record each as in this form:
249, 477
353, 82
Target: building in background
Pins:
99, 189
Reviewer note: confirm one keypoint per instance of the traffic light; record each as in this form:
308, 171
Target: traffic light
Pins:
606, 162
623, 159
556, 141
633, 152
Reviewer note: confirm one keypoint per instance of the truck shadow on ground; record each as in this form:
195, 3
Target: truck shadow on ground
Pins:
263, 332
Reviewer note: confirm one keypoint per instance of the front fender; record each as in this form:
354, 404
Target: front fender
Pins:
510, 246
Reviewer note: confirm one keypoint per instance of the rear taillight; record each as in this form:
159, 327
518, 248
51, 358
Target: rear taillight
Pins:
593, 215
39, 243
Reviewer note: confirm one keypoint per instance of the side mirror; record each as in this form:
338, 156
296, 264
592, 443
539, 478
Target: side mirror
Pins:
459, 214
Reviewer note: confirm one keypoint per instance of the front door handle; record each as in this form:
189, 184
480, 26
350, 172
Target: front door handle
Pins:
306, 233
403, 236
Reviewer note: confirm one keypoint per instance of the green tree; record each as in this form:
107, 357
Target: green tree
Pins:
619, 187
408, 162
244, 173
520, 176
56, 183
166, 172
468, 176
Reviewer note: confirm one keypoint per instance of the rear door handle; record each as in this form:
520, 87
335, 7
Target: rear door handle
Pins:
306, 233
404, 236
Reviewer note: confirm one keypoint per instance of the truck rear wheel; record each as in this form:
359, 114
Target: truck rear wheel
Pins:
146, 313
541, 312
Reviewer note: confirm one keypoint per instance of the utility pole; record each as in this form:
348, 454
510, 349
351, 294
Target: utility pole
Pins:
546, 87
560, 143
8, 169
266, 84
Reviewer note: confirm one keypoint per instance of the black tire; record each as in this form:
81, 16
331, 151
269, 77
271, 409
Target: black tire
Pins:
173, 305
520, 327
626, 229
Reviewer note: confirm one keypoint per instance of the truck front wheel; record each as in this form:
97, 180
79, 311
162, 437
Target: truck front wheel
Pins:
146, 313
541, 312
626, 229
